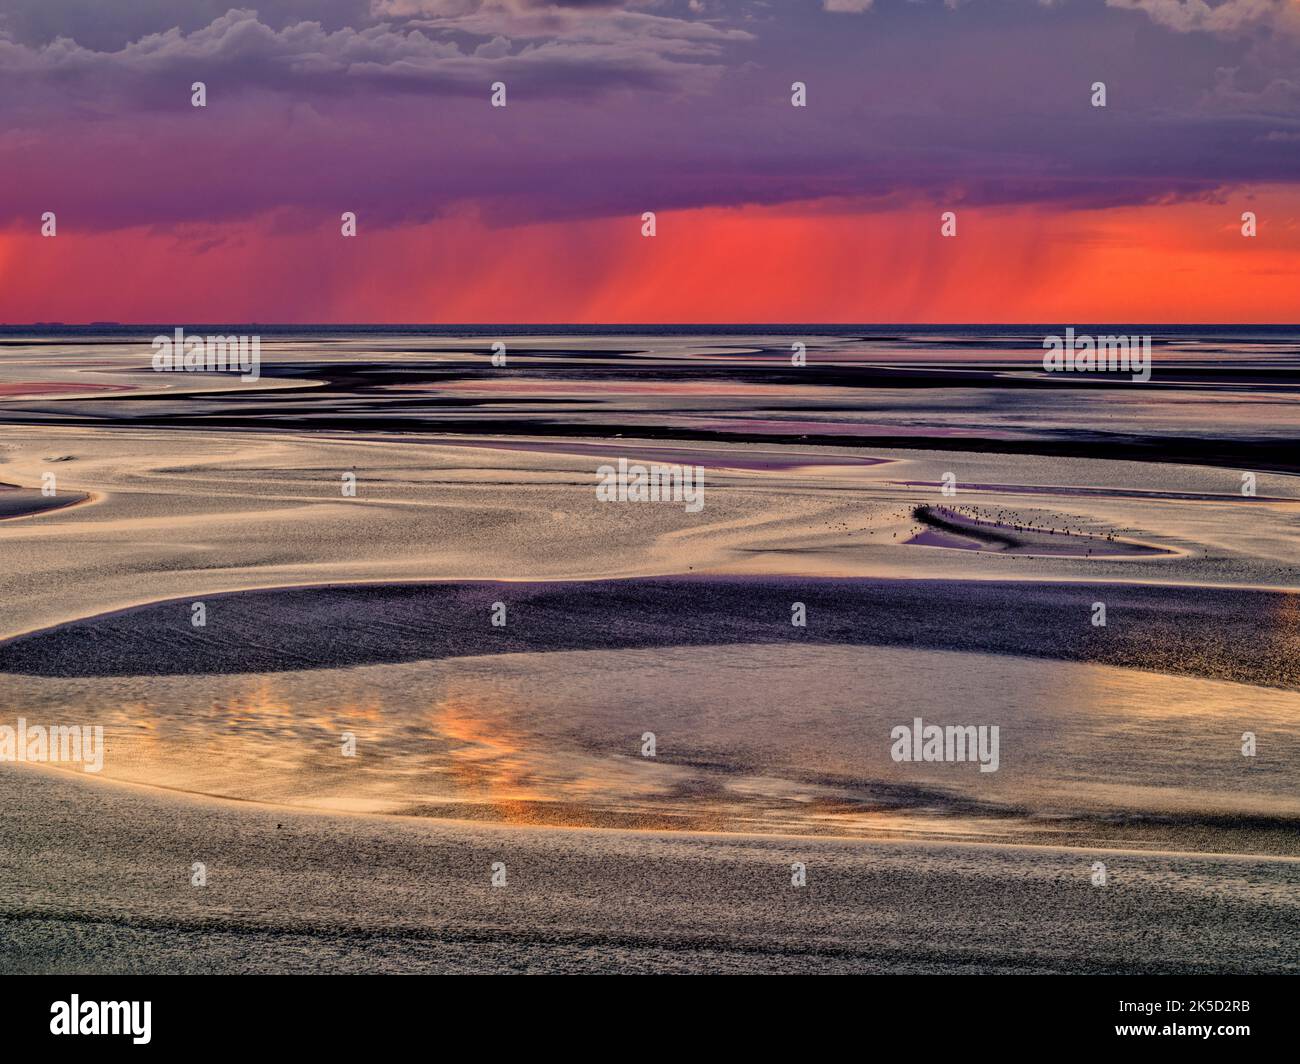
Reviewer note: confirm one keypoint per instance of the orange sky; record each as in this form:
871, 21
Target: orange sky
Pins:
1171, 263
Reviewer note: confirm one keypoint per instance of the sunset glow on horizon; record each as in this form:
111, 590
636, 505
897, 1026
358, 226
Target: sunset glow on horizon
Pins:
1184, 262
766, 210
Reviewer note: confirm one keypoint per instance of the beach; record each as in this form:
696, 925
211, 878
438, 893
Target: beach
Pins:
293, 892
350, 645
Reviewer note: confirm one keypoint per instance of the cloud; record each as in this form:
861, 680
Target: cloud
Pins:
1230, 18
458, 8
848, 7
551, 51
617, 108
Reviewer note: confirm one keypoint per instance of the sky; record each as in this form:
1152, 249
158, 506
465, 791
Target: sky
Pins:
764, 212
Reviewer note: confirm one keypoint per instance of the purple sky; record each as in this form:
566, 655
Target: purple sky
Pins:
612, 106
532, 212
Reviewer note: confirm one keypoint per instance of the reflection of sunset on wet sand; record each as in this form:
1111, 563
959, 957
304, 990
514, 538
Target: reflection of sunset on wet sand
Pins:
1110, 756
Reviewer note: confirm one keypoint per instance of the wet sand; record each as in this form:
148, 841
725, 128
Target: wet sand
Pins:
1213, 633
1128, 735
1225, 400
16, 501
518, 743
955, 530
293, 892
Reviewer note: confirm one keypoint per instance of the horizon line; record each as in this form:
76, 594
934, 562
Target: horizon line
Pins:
783, 325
